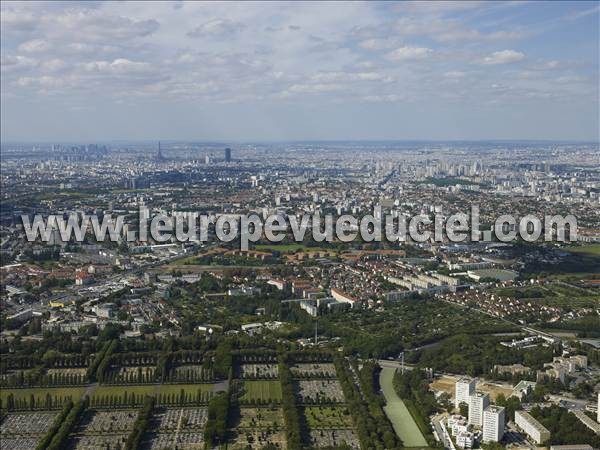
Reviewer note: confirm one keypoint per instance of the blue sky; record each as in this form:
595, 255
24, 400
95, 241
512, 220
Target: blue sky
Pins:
289, 71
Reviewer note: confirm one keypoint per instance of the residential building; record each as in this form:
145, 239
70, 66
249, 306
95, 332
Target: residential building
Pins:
341, 296
477, 404
535, 430
494, 418
464, 388
465, 439
588, 421
457, 424
523, 389
572, 447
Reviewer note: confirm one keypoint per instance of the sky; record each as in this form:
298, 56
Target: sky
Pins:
100, 71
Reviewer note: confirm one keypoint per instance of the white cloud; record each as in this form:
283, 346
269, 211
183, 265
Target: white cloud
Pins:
409, 53
217, 28
503, 57
53, 65
121, 66
350, 76
388, 98
359, 53
18, 63
314, 88
17, 21
35, 46
92, 24
42, 82
454, 74
377, 44
445, 30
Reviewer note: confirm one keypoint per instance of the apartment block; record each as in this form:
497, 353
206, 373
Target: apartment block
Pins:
478, 402
464, 388
535, 430
494, 418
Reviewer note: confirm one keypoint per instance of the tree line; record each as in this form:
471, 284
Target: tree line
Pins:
412, 387
371, 429
291, 415
59, 441
142, 421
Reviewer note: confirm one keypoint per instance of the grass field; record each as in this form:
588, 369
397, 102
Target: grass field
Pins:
261, 390
153, 389
40, 393
77, 392
592, 249
403, 423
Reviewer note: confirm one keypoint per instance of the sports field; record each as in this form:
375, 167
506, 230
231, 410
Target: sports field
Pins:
403, 423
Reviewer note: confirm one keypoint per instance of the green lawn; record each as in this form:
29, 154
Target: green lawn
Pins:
261, 390
153, 389
591, 249
403, 423
77, 392
40, 393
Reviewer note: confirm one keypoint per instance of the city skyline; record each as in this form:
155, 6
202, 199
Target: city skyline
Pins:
350, 71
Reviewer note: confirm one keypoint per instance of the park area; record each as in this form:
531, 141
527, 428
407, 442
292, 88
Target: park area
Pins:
403, 423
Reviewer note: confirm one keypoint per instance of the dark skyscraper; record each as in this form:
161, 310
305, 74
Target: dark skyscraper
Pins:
228, 155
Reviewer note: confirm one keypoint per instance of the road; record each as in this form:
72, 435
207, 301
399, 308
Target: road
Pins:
393, 364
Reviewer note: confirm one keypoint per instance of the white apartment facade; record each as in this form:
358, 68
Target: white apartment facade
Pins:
494, 418
477, 404
535, 430
464, 388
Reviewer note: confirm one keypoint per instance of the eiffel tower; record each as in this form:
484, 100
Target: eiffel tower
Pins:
159, 156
